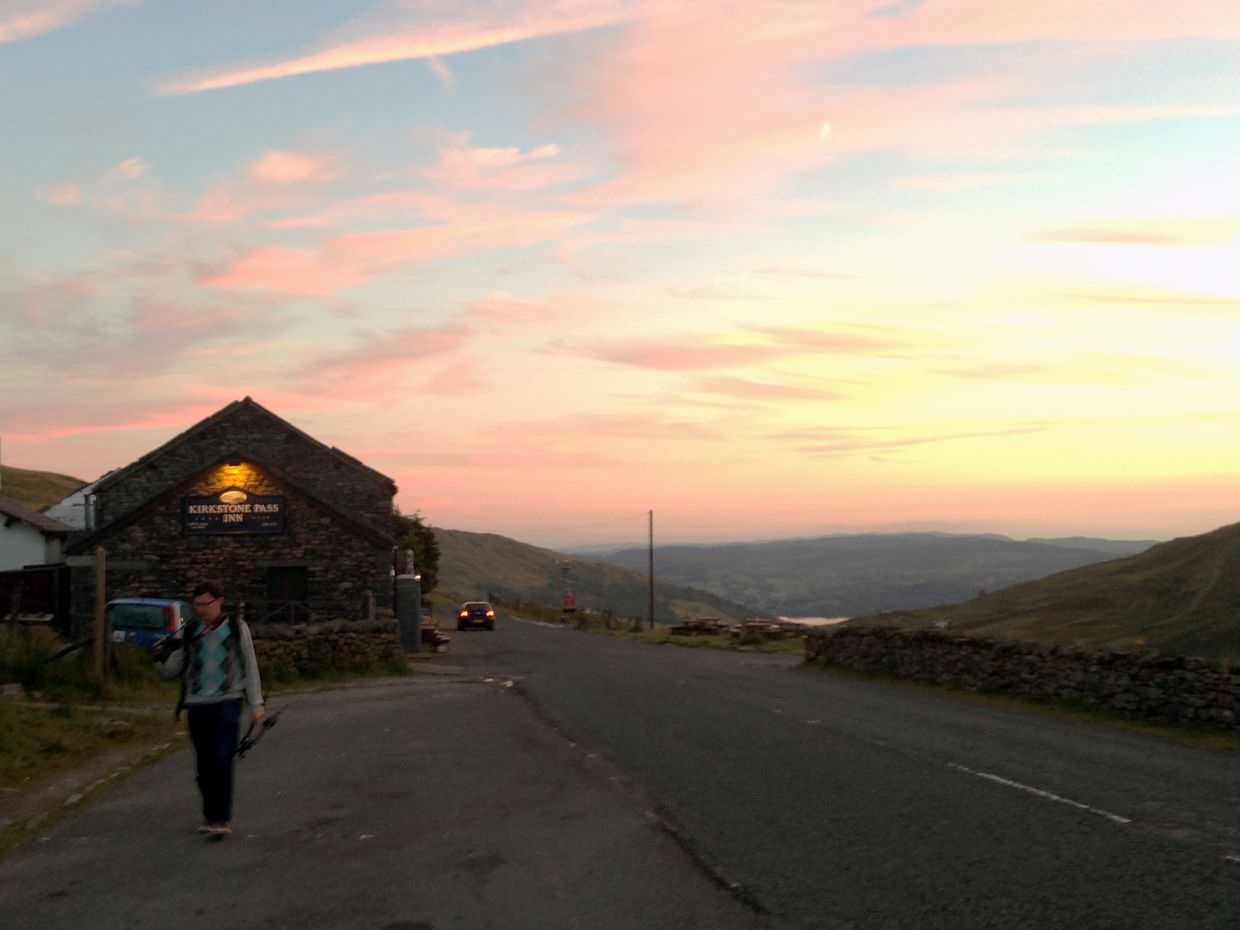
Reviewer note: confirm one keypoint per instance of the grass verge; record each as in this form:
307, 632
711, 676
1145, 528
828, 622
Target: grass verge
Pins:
68, 729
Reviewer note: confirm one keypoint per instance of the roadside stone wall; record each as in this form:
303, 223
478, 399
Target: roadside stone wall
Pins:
323, 647
1143, 685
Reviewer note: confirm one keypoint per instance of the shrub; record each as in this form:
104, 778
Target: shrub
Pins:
24, 654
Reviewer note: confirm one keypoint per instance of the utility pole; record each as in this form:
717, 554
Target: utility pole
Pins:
651, 563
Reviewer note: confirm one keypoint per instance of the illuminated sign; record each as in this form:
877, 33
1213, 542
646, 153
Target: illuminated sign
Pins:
233, 511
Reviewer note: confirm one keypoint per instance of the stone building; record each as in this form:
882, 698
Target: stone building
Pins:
296, 529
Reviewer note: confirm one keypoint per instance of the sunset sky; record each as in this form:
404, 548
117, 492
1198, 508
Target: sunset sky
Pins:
769, 268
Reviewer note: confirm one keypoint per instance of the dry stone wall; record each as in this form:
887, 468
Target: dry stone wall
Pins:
1143, 685
312, 649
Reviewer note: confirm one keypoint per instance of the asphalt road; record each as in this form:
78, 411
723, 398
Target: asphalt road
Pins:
538, 777
831, 802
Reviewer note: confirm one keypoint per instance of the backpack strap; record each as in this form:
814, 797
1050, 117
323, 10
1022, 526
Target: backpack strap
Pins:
187, 637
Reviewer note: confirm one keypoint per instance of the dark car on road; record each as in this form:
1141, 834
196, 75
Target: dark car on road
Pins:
143, 621
475, 613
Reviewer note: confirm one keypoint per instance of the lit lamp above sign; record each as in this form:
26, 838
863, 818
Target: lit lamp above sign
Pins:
232, 511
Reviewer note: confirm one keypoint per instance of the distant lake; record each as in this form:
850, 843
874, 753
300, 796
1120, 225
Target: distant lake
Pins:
815, 621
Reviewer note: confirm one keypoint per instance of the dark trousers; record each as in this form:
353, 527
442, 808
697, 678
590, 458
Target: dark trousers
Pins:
214, 729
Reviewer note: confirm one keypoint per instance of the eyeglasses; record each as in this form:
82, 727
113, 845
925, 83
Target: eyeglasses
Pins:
206, 603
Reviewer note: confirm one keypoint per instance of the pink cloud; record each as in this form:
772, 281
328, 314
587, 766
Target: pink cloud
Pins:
394, 32
130, 169
350, 259
64, 195
73, 423
285, 270
745, 389
279, 180
703, 109
462, 167
291, 167
817, 341
662, 356
752, 346
571, 429
25, 19
830, 443
381, 362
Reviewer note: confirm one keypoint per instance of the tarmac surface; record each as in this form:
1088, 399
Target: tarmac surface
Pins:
434, 802
537, 777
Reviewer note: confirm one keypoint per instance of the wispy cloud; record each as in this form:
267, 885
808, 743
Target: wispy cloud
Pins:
742, 348
843, 442
683, 356
570, 429
461, 166
382, 360
747, 389
351, 259
25, 19
66, 194
405, 31
953, 183
1175, 231
130, 169
292, 168
278, 181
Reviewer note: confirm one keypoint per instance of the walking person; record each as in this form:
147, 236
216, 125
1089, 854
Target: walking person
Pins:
214, 656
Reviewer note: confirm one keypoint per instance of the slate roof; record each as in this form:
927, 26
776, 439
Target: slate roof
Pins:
83, 543
222, 414
16, 510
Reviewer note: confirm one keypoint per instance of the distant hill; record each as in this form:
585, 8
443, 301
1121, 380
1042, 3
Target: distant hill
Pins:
473, 565
851, 575
1116, 548
1181, 597
36, 489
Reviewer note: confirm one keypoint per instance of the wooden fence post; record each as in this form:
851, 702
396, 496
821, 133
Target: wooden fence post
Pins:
101, 650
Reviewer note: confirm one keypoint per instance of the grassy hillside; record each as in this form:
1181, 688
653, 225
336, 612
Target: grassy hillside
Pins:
473, 565
36, 489
1181, 597
848, 576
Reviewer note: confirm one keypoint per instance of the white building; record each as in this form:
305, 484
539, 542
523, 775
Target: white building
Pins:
75, 511
28, 537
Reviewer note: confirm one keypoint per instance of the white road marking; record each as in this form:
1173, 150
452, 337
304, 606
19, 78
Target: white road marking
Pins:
1115, 818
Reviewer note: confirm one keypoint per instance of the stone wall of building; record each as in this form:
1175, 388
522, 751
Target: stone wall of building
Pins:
152, 556
347, 484
1144, 685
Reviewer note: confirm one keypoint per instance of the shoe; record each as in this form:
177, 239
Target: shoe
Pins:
203, 828
217, 831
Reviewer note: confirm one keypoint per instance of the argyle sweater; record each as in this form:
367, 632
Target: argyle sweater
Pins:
219, 669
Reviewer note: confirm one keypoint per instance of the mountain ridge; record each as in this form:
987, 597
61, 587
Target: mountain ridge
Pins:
475, 565
856, 574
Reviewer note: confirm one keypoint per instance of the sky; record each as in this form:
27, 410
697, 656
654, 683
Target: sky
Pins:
766, 268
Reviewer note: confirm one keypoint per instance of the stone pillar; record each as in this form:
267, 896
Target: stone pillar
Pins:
409, 611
